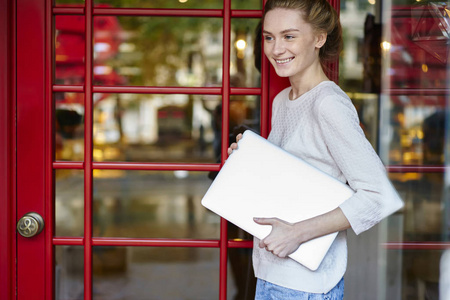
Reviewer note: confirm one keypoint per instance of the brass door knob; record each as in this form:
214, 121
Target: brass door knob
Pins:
30, 225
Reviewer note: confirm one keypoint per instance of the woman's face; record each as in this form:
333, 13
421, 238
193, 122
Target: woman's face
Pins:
290, 43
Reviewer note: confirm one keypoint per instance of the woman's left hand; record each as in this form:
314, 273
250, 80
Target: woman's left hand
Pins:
282, 240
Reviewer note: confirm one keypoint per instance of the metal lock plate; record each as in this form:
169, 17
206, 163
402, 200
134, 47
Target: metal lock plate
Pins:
30, 225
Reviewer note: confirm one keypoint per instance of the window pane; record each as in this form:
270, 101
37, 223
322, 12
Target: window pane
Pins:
415, 274
209, 4
69, 273
242, 281
246, 4
415, 129
157, 51
156, 128
69, 50
245, 53
136, 273
69, 203
152, 204
69, 126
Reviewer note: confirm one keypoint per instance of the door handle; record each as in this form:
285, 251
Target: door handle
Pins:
30, 224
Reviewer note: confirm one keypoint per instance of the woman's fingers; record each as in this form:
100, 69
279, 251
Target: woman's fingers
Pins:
234, 146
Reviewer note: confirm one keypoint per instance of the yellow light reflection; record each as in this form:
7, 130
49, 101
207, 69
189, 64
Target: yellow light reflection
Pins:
386, 46
182, 1
372, 2
424, 68
241, 44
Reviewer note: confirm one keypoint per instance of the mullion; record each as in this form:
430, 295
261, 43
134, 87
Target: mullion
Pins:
88, 155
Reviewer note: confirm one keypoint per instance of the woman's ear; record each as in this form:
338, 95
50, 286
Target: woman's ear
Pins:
321, 38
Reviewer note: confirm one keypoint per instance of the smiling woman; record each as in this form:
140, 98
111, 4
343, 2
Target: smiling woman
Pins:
316, 121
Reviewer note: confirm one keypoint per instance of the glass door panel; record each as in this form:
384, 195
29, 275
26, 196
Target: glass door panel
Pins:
150, 204
157, 51
156, 128
182, 4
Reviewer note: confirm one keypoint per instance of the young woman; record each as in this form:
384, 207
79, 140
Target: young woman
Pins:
316, 121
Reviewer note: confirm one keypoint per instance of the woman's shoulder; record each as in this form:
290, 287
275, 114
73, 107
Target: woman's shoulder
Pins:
331, 97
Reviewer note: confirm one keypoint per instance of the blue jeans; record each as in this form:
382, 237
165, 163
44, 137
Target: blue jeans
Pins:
269, 291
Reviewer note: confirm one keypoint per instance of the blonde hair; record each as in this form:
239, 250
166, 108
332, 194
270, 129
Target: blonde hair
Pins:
322, 17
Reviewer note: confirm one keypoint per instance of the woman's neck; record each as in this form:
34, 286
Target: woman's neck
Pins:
302, 83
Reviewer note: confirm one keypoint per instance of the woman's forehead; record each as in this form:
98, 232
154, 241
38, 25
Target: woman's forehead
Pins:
282, 19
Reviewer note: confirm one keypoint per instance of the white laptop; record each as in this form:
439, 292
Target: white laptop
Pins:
260, 179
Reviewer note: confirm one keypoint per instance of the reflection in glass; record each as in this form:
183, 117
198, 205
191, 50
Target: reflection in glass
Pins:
245, 59
136, 273
152, 204
242, 281
69, 126
424, 199
69, 203
419, 276
69, 273
415, 127
70, 2
205, 4
418, 46
157, 51
246, 4
69, 50
155, 128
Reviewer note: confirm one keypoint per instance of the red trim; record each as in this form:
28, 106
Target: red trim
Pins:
68, 165
66, 241
155, 242
417, 246
158, 12
225, 134
246, 13
156, 166
88, 176
7, 157
240, 244
30, 126
68, 10
49, 149
157, 90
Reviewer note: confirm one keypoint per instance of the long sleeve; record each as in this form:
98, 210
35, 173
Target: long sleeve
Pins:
375, 198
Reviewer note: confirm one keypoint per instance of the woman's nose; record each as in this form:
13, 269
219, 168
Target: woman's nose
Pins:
278, 48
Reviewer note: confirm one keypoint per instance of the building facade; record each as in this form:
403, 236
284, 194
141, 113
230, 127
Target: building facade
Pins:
116, 116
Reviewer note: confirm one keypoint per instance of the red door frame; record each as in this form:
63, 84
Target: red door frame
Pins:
27, 23
7, 207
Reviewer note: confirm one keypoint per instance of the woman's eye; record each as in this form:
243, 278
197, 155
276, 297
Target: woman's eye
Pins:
289, 37
268, 38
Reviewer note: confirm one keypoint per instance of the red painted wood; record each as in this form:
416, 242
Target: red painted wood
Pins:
7, 179
417, 246
225, 140
155, 242
88, 146
159, 12
30, 144
155, 166
49, 154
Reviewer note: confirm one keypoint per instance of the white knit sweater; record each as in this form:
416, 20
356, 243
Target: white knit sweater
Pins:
322, 128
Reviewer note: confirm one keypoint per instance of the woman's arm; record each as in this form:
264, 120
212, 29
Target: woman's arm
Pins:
286, 237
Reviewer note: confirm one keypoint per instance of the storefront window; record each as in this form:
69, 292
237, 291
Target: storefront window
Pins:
394, 68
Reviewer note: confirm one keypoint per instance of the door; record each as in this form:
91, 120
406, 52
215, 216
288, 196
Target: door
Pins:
124, 113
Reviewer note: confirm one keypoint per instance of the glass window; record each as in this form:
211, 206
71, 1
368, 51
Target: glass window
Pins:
69, 203
70, 49
69, 126
136, 273
157, 51
245, 52
246, 4
150, 204
69, 272
156, 128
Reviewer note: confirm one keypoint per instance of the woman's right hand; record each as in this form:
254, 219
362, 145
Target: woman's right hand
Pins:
234, 146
